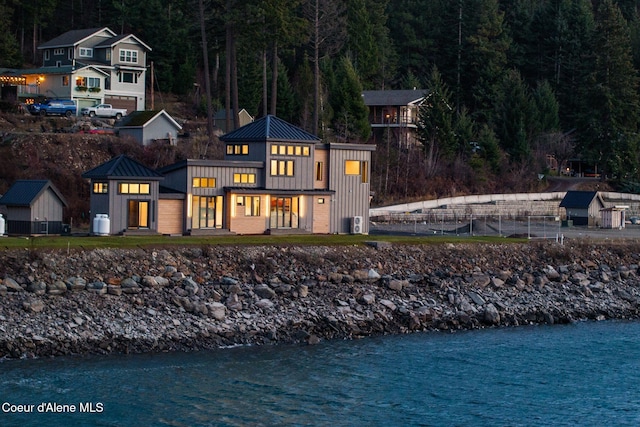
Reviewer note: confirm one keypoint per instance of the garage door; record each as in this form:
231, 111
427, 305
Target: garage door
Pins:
128, 102
170, 216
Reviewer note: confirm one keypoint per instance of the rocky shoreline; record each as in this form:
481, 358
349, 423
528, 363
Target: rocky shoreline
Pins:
104, 301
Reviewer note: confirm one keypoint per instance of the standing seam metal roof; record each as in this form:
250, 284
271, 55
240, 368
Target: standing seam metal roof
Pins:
121, 167
25, 191
578, 199
269, 128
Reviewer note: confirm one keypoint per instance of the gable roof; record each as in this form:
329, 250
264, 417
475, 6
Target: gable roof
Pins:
122, 167
393, 97
580, 199
24, 192
74, 37
138, 119
269, 128
120, 38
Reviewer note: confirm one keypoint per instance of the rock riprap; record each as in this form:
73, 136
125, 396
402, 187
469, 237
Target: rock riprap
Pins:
148, 300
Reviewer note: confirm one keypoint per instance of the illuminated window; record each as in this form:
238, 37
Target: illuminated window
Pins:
200, 182
321, 201
134, 188
100, 187
238, 149
281, 167
290, 150
319, 166
65, 80
352, 167
252, 206
244, 178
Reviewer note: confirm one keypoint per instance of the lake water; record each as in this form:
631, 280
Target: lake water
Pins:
584, 374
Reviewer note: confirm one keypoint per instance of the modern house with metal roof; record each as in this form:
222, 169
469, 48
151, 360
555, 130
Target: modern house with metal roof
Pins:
275, 178
33, 207
90, 66
127, 192
393, 114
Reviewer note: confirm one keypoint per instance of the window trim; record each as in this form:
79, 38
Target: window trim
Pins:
129, 56
85, 52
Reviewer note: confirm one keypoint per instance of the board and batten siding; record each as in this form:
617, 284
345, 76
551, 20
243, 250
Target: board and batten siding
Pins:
119, 204
48, 206
351, 194
303, 177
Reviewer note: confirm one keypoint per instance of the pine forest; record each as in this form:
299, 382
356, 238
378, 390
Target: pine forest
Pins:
509, 84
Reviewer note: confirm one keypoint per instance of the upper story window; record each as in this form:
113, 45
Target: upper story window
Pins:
59, 51
100, 187
107, 55
65, 80
134, 188
200, 182
85, 52
290, 150
281, 167
127, 55
238, 149
244, 178
47, 54
357, 167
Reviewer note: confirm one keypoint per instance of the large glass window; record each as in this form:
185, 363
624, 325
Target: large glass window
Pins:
207, 212
138, 214
284, 212
281, 167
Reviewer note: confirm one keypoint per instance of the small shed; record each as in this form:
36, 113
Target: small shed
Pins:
613, 217
150, 126
583, 207
33, 207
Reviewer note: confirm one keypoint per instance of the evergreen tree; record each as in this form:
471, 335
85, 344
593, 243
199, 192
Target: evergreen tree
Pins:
546, 109
514, 117
435, 119
351, 115
610, 116
490, 44
9, 49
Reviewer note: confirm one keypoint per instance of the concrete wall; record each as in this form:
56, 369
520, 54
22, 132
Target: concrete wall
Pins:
505, 205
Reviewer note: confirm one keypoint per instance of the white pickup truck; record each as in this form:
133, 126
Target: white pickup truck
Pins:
104, 110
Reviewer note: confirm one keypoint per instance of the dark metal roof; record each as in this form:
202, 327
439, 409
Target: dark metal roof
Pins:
269, 128
393, 97
70, 38
578, 199
25, 192
122, 167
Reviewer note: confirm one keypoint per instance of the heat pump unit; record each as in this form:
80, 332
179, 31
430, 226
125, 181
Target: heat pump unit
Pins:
356, 225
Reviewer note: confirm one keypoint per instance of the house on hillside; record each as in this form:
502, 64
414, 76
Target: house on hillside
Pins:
90, 66
149, 126
33, 207
583, 207
275, 178
393, 115
220, 119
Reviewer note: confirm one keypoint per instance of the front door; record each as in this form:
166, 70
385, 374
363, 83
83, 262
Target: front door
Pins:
138, 214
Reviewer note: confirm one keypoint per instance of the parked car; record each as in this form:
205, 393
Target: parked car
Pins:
62, 107
104, 110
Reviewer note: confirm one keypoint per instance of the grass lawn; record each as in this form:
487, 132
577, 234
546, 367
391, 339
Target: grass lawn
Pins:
91, 242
